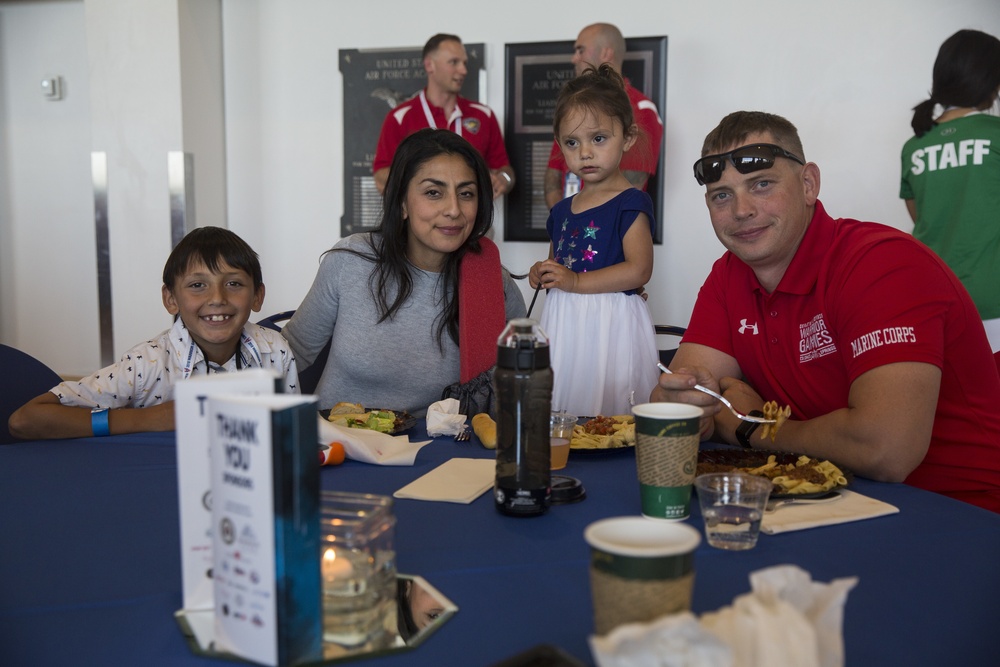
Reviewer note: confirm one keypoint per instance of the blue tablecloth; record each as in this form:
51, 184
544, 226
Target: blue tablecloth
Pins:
90, 562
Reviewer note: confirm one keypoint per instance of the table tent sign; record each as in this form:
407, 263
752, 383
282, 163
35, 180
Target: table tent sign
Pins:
194, 480
263, 527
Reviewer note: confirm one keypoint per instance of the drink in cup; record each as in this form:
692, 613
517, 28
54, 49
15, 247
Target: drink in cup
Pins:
732, 505
562, 433
666, 452
639, 569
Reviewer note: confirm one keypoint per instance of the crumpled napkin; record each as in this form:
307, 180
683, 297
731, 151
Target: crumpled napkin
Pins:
851, 506
443, 418
676, 640
454, 481
371, 446
787, 619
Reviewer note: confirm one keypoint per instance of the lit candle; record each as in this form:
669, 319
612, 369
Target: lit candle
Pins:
334, 567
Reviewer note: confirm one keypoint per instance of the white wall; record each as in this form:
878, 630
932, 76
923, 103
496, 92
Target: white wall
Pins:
846, 72
48, 287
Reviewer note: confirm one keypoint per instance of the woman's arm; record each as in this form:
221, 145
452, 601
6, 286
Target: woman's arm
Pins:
311, 327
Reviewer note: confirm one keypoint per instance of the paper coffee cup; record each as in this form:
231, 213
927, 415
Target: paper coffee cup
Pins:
666, 453
639, 569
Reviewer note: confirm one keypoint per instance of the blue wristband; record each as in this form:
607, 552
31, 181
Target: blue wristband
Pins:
99, 421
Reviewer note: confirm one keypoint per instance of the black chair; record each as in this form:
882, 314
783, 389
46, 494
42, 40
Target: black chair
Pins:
667, 354
272, 321
308, 378
26, 377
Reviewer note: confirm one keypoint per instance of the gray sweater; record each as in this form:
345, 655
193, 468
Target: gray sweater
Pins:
396, 364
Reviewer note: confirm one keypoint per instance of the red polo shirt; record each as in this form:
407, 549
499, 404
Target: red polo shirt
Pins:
473, 121
856, 296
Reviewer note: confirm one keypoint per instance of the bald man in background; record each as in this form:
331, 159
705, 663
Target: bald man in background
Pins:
598, 44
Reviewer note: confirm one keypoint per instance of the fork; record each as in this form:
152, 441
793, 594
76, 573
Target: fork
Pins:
463, 435
748, 418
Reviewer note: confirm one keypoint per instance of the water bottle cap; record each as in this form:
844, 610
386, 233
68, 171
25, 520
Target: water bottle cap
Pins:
523, 346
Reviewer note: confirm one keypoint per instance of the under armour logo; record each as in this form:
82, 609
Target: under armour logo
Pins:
744, 326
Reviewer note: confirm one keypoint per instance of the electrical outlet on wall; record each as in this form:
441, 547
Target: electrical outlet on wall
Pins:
52, 88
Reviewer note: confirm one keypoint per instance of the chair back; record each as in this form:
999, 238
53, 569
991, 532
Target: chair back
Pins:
667, 352
26, 377
272, 322
308, 378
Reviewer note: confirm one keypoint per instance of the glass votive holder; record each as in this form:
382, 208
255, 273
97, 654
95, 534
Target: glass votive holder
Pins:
358, 569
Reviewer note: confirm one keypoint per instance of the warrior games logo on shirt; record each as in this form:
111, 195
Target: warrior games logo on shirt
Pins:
815, 340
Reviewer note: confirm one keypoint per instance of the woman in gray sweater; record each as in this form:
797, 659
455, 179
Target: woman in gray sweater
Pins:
389, 301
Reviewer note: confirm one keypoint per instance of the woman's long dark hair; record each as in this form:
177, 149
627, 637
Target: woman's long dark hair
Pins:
388, 243
966, 74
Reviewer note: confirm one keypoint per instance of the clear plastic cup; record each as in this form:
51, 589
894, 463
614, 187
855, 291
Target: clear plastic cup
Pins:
732, 506
562, 433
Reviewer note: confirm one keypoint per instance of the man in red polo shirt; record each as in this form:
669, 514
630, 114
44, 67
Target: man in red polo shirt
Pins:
598, 44
863, 331
439, 105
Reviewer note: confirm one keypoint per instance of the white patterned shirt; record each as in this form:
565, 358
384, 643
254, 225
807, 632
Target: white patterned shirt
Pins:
146, 374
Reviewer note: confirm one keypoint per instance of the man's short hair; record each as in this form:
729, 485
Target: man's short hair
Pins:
434, 42
734, 129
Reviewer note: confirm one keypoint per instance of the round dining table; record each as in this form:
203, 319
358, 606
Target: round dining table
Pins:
90, 561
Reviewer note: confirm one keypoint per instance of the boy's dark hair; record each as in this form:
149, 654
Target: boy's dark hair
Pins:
733, 130
434, 42
213, 246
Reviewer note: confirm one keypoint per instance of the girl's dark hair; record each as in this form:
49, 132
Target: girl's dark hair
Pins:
391, 271
966, 74
213, 246
599, 91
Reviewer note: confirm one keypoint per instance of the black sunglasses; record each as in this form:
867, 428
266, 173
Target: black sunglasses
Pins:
746, 159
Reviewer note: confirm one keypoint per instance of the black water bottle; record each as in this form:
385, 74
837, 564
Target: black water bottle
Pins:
523, 381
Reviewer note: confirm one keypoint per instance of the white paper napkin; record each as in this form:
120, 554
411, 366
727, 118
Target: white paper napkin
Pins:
443, 418
787, 620
371, 446
454, 481
852, 506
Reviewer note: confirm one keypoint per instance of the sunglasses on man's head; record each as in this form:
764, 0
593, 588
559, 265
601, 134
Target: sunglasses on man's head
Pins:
746, 159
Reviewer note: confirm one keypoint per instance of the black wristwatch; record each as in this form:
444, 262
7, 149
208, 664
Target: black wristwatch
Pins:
746, 429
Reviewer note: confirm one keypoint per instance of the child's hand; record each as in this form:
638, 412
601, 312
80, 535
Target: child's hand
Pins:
553, 274
535, 275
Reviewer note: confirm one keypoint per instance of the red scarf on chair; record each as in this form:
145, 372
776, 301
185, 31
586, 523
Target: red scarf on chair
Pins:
481, 311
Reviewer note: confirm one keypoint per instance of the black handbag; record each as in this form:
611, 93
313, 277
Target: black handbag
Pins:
475, 396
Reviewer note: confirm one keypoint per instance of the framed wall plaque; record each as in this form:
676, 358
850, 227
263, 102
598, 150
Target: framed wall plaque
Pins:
375, 81
534, 74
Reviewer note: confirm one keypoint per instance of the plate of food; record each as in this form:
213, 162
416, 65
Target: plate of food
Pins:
354, 415
604, 434
793, 475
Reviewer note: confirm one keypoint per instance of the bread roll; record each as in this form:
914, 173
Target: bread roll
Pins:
485, 429
343, 408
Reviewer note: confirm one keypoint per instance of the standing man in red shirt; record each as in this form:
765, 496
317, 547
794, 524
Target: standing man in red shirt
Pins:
598, 44
439, 105
863, 331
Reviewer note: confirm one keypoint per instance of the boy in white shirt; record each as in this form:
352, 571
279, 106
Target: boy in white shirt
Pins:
211, 282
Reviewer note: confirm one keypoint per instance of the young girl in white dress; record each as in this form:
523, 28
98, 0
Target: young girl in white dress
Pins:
602, 344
